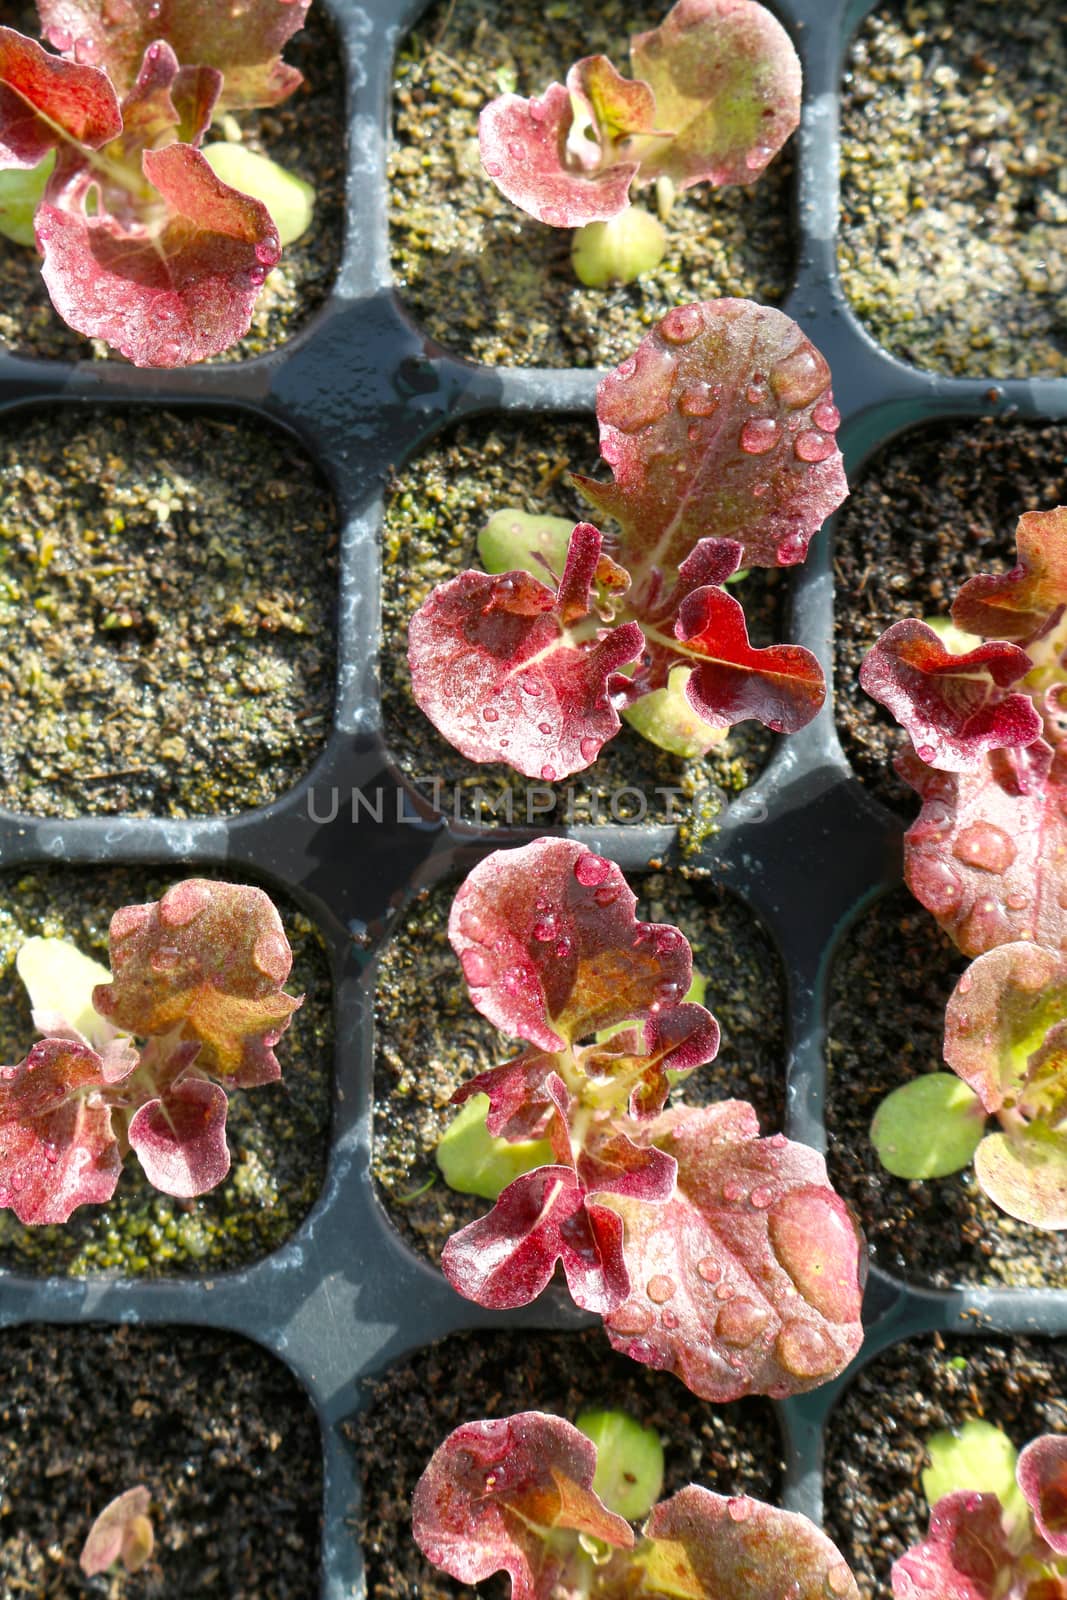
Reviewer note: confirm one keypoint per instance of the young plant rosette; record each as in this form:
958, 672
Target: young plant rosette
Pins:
142, 244
142, 1057
709, 1251
716, 94
1004, 1537
517, 1495
719, 432
985, 706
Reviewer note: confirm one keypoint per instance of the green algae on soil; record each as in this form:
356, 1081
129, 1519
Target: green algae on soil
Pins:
485, 280
733, 1449
953, 245
278, 1134
167, 602
219, 1432
430, 1039
437, 506
305, 134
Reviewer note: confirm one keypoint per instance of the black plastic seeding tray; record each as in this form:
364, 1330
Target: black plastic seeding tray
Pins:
805, 847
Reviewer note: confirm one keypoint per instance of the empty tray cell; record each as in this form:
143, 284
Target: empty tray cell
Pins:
877, 1436
493, 284
277, 1133
954, 215
937, 505
166, 613
219, 1433
890, 983
733, 1449
426, 1049
304, 134
438, 505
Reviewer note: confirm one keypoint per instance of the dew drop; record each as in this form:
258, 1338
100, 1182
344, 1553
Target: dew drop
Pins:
838, 1580
732, 1190
638, 392
516, 150
606, 895
741, 1322
805, 1350
935, 884
709, 1269
256, 274
544, 727
267, 250
660, 1289
791, 549
165, 959
7, 1073
985, 845
490, 714
801, 377
761, 1198
777, 1141
86, 50
759, 435
632, 1318
826, 416
589, 749
272, 957
477, 968
168, 353
756, 392
682, 325
1017, 900
811, 445
669, 1319
493, 169
545, 929
549, 774
815, 1241
926, 752
724, 1292
590, 870
776, 725
183, 904
51, 1154
529, 684
757, 158
60, 38
699, 400
739, 1508
537, 111
563, 947
17, 1181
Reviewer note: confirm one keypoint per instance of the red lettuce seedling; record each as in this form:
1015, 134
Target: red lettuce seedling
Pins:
517, 1495
143, 245
122, 1533
988, 856
995, 1539
716, 95
720, 434
198, 977
721, 1256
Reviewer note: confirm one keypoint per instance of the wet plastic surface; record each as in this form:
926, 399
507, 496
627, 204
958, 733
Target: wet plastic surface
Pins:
362, 389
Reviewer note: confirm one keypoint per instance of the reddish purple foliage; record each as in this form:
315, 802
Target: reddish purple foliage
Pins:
716, 97
1042, 1475
122, 1532
516, 1496
723, 1256
720, 434
198, 976
143, 246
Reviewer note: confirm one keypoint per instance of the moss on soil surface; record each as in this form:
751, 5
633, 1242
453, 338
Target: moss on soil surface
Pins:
167, 598
430, 1039
305, 134
438, 505
278, 1134
875, 1508
954, 200
733, 1449
890, 983
931, 509
219, 1432
489, 282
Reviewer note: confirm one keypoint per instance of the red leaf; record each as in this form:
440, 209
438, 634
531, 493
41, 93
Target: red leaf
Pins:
496, 667
208, 959
243, 42
615, 1165
1020, 604
951, 705
498, 1495
180, 1139
750, 1279
965, 1555
707, 1547
676, 1039
45, 101
1042, 1475
57, 1150
726, 81
781, 686
525, 1095
720, 425
552, 950
122, 1532
982, 855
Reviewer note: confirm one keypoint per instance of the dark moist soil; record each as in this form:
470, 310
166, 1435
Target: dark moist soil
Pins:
278, 1134
890, 984
489, 282
219, 1432
733, 1449
954, 207
166, 613
437, 507
875, 1507
430, 1039
931, 509
305, 134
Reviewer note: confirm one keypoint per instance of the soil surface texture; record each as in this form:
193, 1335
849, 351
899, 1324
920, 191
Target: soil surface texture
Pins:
430, 1039
167, 600
875, 1507
937, 505
278, 1134
732, 1449
954, 206
305, 134
437, 507
491, 283
219, 1432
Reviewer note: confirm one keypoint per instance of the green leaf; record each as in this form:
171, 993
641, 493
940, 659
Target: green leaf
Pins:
20, 194
618, 251
472, 1161
288, 198
665, 718
629, 1469
977, 1457
929, 1127
511, 541
60, 980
